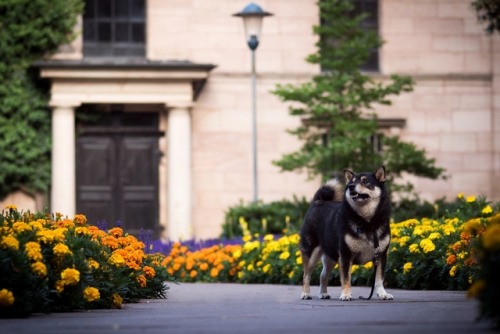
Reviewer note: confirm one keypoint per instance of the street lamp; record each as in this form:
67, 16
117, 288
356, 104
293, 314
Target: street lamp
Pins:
252, 16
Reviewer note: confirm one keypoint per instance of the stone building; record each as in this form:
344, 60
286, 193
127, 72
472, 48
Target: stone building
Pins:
172, 149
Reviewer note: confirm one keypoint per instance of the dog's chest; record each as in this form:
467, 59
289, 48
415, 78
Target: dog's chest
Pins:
363, 249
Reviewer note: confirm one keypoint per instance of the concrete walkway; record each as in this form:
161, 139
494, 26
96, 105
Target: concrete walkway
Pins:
248, 308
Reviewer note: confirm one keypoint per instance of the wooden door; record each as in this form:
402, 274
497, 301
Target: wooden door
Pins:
117, 172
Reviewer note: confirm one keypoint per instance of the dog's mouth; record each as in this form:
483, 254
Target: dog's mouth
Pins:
358, 196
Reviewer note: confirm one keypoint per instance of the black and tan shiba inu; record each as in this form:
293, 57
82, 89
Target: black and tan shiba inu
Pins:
347, 225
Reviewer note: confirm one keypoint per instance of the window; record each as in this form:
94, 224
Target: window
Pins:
114, 28
370, 23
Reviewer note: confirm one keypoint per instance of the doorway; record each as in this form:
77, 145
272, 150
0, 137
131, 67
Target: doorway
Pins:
117, 162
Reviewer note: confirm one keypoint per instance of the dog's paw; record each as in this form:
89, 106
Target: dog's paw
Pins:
385, 296
324, 296
305, 296
345, 297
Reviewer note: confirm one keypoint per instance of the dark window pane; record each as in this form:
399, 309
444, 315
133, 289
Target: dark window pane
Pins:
104, 8
104, 31
137, 10
89, 30
138, 33
89, 9
121, 32
122, 8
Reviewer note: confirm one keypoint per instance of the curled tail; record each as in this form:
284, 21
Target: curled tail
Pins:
332, 191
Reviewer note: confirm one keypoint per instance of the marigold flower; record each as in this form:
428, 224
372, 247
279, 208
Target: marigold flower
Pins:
414, 248
203, 266
268, 237
9, 242
368, 265
149, 271
141, 279
451, 259
20, 227
11, 207
460, 195
91, 294
59, 285
116, 259
93, 264
427, 245
193, 273
487, 210
6, 297
39, 268
453, 271
299, 260
80, 219
214, 272
33, 251
470, 199
407, 267
285, 255
266, 268
70, 276
116, 300
491, 237
61, 249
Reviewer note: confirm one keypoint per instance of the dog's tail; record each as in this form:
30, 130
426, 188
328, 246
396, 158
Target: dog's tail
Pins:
331, 191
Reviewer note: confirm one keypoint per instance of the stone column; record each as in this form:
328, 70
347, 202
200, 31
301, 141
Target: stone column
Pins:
63, 192
179, 173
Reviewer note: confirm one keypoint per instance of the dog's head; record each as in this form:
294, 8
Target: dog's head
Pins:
363, 190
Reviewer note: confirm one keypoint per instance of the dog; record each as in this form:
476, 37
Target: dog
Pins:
343, 225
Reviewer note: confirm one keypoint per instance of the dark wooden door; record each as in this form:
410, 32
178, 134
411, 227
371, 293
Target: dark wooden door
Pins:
117, 172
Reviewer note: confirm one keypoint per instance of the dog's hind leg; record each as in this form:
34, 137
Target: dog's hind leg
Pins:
308, 263
328, 265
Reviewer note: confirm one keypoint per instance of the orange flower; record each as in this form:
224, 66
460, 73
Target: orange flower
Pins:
193, 273
149, 271
451, 260
214, 272
141, 279
116, 232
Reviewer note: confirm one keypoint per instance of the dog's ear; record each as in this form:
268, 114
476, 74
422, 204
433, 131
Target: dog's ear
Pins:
380, 174
348, 174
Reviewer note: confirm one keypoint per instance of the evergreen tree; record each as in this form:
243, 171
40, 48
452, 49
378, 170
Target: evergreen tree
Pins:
29, 30
338, 125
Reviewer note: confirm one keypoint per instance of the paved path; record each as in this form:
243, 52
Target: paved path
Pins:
248, 308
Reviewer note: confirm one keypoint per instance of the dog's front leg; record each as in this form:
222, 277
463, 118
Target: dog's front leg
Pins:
379, 280
345, 278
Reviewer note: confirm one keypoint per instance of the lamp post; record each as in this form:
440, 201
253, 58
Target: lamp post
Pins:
252, 16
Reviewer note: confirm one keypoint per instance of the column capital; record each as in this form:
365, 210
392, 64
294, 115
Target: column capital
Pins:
64, 104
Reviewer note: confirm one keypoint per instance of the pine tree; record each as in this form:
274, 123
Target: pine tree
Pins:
338, 124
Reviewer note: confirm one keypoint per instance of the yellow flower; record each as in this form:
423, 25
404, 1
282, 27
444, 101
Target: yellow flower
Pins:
116, 260
237, 254
265, 269
486, 210
460, 195
368, 265
407, 267
269, 237
70, 276
11, 207
354, 268
299, 260
414, 248
6, 297
285, 255
61, 249
39, 268
91, 294
434, 235
33, 251
117, 300
9, 242
93, 264
20, 227
250, 267
402, 241
470, 199
59, 286
82, 230
427, 245
453, 271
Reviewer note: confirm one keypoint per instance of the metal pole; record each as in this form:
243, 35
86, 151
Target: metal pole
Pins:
254, 128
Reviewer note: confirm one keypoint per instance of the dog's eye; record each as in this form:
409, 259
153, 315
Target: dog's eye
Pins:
365, 181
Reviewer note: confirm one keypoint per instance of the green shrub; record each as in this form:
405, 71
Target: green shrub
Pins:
264, 218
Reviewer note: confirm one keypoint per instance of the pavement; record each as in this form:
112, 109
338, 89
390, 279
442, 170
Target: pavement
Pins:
254, 308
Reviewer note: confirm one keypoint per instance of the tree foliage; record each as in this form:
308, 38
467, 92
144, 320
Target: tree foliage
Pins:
488, 11
29, 30
338, 125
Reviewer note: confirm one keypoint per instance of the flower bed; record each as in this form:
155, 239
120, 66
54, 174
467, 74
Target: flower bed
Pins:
50, 263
